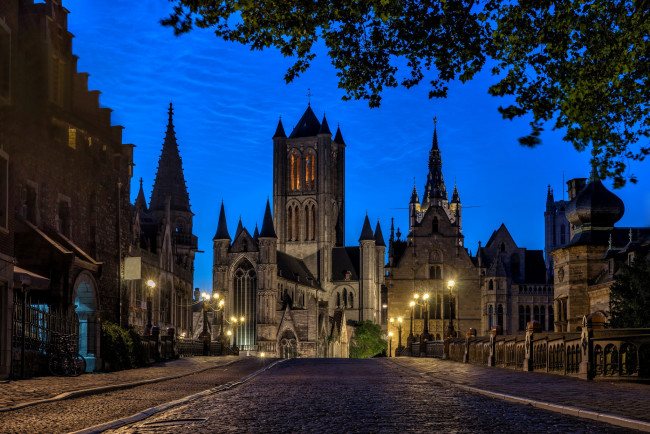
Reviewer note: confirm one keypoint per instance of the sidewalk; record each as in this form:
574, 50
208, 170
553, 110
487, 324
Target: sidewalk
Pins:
609, 401
21, 392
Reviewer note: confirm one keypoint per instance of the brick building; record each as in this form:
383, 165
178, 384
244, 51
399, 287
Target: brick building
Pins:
65, 180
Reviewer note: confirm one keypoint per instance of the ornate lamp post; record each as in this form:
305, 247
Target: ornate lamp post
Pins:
399, 331
425, 302
390, 343
235, 323
209, 302
450, 285
411, 338
151, 285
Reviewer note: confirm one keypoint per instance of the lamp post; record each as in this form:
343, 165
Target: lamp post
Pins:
450, 285
235, 323
151, 285
390, 343
412, 304
399, 332
209, 302
425, 304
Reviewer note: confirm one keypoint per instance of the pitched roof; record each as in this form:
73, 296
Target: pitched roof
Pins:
140, 201
294, 269
338, 138
535, 266
379, 238
366, 231
324, 128
239, 229
279, 131
308, 125
268, 231
345, 259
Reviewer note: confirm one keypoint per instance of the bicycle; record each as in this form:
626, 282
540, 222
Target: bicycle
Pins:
66, 362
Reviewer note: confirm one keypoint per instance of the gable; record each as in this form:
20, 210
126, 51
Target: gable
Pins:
243, 243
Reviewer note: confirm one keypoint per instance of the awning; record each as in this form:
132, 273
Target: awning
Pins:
30, 279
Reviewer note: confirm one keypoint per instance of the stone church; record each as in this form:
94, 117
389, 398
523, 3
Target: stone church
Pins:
295, 282
431, 255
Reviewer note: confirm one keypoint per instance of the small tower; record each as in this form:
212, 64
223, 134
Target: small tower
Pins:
414, 207
268, 270
435, 192
456, 207
367, 284
380, 258
220, 247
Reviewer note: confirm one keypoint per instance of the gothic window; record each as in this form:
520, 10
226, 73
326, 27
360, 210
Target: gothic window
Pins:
244, 303
528, 318
562, 234
351, 300
434, 225
297, 217
295, 172
542, 317
490, 284
522, 319
551, 319
290, 224
307, 221
500, 315
338, 299
313, 222
310, 167
345, 297
435, 272
536, 314
503, 247
490, 317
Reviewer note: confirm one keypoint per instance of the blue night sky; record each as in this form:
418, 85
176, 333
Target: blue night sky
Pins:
227, 100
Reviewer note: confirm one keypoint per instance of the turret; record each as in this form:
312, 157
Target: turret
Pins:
267, 295
380, 257
367, 283
456, 207
414, 207
220, 246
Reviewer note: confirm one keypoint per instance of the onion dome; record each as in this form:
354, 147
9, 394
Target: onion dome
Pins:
595, 206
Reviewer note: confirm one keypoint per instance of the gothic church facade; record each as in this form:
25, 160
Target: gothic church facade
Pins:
295, 282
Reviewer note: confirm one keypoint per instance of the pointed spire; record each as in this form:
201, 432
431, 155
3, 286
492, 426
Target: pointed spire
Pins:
324, 128
256, 234
338, 138
170, 181
392, 229
434, 143
239, 229
279, 131
455, 198
414, 194
222, 227
434, 190
379, 238
140, 201
366, 232
308, 125
268, 231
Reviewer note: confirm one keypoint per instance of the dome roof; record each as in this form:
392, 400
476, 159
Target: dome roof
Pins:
595, 206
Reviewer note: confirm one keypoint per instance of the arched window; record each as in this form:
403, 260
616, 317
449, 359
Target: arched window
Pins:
307, 221
528, 318
503, 247
351, 300
522, 319
310, 170
490, 317
434, 225
490, 284
297, 219
313, 222
345, 297
542, 317
551, 320
295, 172
244, 302
500, 315
290, 224
562, 234
338, 299
536, 314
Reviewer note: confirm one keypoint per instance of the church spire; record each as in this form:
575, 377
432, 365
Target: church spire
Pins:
379, 237
455, 197
222, 227
338, 138
366, 232
268, 231
414, 194
324, 128
279, 131
435, 191
170, 181
140, 201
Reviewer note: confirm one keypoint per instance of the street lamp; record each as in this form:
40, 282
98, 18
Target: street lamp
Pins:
151, 284
412, 304
236, 322
210, 302
390, 343
399, 331
450, 285
425, 303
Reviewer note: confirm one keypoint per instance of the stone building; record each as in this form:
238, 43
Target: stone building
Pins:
584, 268
432, 254
65, 181
296, 277
163, 248
514, 285
557, 231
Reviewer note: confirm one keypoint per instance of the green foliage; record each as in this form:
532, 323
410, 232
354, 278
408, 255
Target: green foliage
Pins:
121, 349
630, 296
367, 341
582, 65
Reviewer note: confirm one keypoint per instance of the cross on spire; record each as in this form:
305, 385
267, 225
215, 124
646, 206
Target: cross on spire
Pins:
309, 95
435, 121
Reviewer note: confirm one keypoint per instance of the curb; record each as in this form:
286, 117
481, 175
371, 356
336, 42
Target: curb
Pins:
168, 405
610, 418
101, 389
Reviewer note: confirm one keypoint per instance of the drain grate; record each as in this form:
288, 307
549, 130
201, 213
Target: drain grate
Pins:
172, 422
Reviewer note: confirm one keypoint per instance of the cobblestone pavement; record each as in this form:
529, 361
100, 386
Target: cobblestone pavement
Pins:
625, 399
13, 393
351, 395
78, 413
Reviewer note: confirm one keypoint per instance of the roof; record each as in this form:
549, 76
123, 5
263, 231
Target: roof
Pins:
279, 131
324, 128
222, 227
345, 259
399, 247
366, 231
379, 238
338, 138
268, 231
295, 270
535, 267
308, 125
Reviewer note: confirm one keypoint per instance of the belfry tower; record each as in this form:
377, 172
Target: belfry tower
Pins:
309, 192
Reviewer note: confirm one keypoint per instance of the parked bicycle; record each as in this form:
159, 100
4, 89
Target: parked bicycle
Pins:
66, 361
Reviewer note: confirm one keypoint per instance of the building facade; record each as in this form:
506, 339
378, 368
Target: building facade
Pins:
163, 248
432, 254
557, 230
65, 182
295, 279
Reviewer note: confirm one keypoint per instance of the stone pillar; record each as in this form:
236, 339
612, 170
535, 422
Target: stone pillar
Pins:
531, 328
494, 332
471, 333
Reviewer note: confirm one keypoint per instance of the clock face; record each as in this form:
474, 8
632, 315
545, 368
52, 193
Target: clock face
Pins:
560, 274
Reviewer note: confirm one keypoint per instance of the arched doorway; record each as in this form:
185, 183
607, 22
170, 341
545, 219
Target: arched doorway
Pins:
288, 345
85, 300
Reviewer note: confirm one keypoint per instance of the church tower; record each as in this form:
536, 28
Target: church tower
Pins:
309, 191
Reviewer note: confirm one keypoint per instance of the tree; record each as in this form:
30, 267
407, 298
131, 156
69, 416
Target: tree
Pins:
367, 340
582, 65
630, 295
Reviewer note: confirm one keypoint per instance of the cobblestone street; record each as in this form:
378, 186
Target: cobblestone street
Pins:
348, 395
